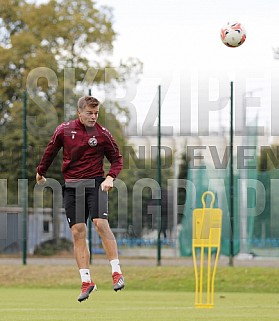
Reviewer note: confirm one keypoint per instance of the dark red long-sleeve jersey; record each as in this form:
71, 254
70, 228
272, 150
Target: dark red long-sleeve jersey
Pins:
84, 150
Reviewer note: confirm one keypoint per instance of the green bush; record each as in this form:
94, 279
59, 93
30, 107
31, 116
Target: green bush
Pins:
51, 247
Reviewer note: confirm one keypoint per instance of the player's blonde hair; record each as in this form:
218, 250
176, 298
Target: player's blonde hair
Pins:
87, 101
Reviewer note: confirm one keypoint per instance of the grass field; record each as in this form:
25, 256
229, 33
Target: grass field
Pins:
48, 293
129, 305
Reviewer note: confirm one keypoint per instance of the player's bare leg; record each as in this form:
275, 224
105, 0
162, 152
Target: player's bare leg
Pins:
82, 257
81, 250
110, 247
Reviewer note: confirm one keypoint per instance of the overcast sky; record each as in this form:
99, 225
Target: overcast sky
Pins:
185, 33
179, 43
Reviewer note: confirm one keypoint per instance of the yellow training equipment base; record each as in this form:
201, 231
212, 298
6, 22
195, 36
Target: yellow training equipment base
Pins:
207, 227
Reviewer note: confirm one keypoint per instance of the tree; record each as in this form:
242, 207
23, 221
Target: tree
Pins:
56, 51
143, 174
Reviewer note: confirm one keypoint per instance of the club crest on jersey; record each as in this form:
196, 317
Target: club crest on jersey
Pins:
73, 132
92, 141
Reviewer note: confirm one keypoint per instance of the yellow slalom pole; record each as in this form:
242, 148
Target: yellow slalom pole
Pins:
208, 297
214, 272
196, 276
201, 275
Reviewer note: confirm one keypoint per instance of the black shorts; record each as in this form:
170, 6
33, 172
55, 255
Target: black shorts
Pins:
85, 199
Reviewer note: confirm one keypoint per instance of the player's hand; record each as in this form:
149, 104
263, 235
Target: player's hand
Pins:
107, 184
40, 179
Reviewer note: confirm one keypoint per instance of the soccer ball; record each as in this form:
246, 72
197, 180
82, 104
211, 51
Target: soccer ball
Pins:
233, 34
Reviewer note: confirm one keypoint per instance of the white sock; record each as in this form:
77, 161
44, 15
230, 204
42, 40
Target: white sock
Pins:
85, 275
115, 266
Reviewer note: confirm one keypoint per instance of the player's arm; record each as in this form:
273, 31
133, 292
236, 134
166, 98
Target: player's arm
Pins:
113, 155
40, 179
49, 154
107, 184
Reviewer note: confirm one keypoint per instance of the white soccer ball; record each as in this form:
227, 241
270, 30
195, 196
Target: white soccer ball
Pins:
233, 34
